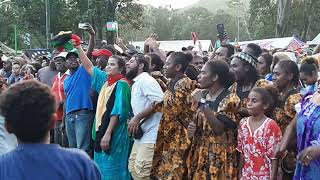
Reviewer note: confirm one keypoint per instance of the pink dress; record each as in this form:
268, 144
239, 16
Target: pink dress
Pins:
258, 148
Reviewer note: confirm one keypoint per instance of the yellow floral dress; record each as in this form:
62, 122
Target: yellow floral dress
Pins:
173, 145
214, 157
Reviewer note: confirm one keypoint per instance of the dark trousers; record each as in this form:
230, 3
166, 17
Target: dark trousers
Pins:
60, 136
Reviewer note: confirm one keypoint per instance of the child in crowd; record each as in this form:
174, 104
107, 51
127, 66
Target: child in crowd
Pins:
309, 75
30, 72
259, 136
15, 76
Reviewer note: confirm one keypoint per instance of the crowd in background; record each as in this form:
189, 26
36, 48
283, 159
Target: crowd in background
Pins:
235, 113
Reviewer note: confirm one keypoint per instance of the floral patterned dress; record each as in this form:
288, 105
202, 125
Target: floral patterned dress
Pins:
173, 145
258, 148
214, 157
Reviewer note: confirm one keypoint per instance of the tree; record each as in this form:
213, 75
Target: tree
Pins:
6, 29
29, 16
126, 12
303, 19
171, 24
300, 20
130, 17
262, 19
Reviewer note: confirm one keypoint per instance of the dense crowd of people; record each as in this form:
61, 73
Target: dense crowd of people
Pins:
117, 113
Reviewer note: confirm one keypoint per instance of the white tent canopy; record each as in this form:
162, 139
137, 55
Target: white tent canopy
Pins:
291, 43
177, 45
6, 49
315, 41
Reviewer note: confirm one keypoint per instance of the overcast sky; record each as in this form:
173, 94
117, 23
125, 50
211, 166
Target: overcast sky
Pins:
173, 3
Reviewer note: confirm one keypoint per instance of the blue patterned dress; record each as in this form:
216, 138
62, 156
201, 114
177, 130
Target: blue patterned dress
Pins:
308, 134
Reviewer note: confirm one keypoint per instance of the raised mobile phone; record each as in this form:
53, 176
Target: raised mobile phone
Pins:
220, 28
83, 25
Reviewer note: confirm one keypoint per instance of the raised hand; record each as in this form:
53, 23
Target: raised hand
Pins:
76, 40
89, 29
119, 41
152, 40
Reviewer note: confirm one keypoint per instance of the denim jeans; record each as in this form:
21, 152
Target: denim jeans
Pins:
78, 128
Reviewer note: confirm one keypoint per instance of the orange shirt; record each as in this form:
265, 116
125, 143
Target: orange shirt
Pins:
58, 90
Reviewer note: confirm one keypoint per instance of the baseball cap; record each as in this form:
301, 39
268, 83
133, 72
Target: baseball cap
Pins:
101, 52
6, 59
74, 52
61, 55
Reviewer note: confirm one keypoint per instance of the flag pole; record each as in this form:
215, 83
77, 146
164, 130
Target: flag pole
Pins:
15, 39
117, 30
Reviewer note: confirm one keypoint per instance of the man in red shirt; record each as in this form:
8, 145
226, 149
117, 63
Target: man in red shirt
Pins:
60, 136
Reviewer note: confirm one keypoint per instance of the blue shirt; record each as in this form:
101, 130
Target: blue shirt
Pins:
99, 78
309, 89
268, 77
47, 161
13, 79
77, 90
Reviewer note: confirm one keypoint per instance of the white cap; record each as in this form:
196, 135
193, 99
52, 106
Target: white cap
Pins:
62, 54
6, 58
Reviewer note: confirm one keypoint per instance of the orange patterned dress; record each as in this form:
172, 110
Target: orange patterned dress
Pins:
161, 79
286, 112
283, 115
211, 156
173, 145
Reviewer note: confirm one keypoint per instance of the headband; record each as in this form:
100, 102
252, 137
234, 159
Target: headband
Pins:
247, 57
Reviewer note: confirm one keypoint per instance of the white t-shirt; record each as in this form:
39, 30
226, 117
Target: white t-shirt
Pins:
7, 141
146, 91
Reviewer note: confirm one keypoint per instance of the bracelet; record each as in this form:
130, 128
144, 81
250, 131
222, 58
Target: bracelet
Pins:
283, 167
286, 170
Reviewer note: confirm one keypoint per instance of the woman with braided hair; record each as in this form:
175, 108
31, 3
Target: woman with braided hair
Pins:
309, 74
172, 145
286, 78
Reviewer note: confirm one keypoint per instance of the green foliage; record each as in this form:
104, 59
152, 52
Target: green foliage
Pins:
263, 18
301, 19
30, 17
215, 5
136, 22
177, 25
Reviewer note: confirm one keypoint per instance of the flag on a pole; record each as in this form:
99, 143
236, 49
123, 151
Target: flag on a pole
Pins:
111, 26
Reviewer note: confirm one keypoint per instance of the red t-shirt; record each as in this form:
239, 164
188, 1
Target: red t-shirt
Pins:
58, 90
